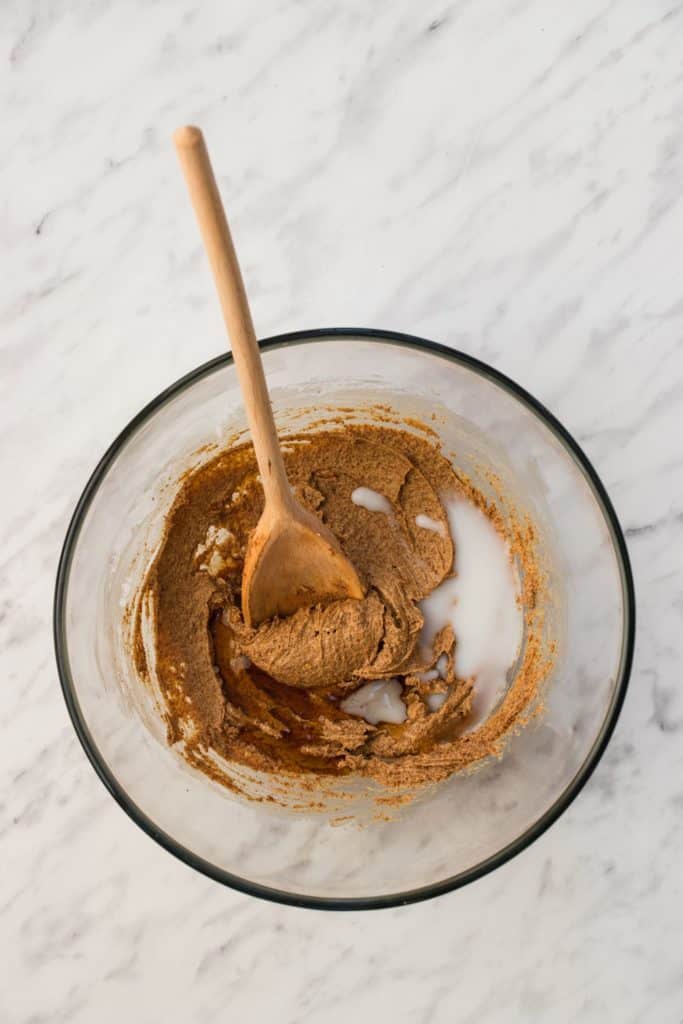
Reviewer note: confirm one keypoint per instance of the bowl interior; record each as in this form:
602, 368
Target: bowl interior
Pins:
469, 823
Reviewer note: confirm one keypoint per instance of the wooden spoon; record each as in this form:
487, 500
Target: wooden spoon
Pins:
292, 559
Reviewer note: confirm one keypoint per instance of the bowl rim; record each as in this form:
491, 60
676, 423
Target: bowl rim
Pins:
434, 889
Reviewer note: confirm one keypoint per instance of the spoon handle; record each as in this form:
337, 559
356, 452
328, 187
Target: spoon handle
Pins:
208, 208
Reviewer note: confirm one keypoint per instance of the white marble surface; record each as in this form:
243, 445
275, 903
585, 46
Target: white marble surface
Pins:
504, 176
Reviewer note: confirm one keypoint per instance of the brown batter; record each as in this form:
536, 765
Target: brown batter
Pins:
270, 698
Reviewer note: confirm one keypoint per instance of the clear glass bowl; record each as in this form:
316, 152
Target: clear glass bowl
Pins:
471, 823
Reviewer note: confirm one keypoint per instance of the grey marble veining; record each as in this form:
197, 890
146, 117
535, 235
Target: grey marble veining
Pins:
501, 176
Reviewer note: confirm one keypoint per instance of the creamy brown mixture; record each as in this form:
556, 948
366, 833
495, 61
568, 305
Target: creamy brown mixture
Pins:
270, 698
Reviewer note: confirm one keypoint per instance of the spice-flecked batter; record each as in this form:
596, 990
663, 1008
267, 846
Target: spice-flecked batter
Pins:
270, 698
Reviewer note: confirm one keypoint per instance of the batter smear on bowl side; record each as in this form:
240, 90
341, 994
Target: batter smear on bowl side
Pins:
422, 677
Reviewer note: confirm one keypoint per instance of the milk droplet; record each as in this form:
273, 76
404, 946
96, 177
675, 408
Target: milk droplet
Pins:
379, 701
438, 672
373, 501
427, 523
435, 701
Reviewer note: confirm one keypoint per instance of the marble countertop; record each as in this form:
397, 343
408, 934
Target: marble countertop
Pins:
502, 176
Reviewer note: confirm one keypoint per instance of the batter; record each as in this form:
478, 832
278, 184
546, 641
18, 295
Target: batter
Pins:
350, 687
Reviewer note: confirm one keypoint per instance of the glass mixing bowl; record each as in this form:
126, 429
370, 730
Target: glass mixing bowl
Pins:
469, 824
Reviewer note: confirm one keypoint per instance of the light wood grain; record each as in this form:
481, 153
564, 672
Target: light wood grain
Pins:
292, 559
213, 224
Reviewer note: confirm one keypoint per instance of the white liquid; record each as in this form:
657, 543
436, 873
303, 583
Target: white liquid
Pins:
438, 672
427, 523
373, 501
435, 701
379, 701
480, 603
